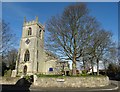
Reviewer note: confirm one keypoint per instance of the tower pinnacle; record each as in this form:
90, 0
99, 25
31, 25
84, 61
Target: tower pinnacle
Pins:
37, 19
24, 19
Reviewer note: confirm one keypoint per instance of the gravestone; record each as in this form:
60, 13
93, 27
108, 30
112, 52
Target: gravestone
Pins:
35, 79
14, 73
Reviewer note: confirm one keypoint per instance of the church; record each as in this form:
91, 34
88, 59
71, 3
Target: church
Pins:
32, 58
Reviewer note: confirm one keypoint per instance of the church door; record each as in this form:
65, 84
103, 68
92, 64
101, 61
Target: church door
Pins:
25, 70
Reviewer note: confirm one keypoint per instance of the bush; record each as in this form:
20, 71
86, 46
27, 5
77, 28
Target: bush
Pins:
8, 73
84, 72
29, 78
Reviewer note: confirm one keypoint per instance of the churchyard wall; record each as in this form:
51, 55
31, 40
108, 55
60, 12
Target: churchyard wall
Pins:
8, 80
63, 82
72, 82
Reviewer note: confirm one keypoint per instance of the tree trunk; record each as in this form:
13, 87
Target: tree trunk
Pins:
105, 67
84, 66
92, 67
74, 67
97, 66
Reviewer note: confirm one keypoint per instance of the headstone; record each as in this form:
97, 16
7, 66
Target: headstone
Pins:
14, 73
35, 79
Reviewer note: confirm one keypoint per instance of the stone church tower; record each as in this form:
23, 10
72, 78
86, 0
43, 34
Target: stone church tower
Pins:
31, 51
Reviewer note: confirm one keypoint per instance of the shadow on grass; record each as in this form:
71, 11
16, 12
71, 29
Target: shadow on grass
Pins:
22, 85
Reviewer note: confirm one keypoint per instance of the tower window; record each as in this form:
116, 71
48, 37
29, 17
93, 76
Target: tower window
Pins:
18, 57
30, 31
37, 54
40, 33
27, 56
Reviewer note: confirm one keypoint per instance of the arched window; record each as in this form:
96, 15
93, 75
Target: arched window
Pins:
40, 33
18, 57
27, 56
30, 31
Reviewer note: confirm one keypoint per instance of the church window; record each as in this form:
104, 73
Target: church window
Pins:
37, 53
40, 33
18, 57
37, 42
27, 56
30, 31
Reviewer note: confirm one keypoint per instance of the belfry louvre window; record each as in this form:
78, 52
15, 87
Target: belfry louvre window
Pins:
40, 33
27, 56
30, 31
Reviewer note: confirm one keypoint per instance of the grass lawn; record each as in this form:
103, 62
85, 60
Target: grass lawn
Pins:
60, 76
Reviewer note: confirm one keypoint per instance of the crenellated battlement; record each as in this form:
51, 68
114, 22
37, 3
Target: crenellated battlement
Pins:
30, 23
33, 22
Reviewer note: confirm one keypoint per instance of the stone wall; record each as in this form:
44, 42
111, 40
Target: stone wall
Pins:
8, 80
63, 82
72, 82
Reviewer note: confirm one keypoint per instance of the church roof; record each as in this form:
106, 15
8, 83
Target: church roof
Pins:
50, 54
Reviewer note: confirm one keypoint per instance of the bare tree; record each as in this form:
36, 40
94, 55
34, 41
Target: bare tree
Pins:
12, 57
71, 32
8, 38
7, 41
118, 51
101, 44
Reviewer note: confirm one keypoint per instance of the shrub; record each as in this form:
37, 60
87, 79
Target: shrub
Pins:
84, 72
7, 73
